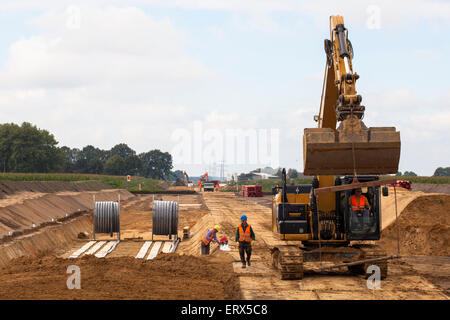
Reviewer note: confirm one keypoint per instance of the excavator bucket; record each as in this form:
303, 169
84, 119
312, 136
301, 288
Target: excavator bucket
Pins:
330, 152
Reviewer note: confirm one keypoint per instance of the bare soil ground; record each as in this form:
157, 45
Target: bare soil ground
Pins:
136, 221
11, 187
423, 226
24, 212
169, 276
261, 281
120, 275
136, 214
431, 188
187, 275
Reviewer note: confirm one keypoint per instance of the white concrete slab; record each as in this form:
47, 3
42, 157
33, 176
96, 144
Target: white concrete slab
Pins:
167, 246
109, 247
94, 249
190, 205
143, 251
155, 249
86, 246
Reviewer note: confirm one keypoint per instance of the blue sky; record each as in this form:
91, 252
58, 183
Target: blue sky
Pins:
138, 71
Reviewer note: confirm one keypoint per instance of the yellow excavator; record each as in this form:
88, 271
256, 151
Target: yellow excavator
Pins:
343, 155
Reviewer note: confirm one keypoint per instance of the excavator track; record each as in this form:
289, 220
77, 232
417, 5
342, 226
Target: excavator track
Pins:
289, 260
371, 252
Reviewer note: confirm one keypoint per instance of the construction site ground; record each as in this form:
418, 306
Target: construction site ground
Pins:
422, 273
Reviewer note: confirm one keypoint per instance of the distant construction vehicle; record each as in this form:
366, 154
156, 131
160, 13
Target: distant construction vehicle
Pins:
202, 180
325, 215
187, 180
402, 184
208, 186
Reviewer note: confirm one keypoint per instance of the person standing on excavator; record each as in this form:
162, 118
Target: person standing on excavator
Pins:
245, 235
210, 236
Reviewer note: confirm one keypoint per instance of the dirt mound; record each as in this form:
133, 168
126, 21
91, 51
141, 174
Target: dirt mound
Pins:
10, 187
424, 228
51, 238
32, 213
169, 276
431, 188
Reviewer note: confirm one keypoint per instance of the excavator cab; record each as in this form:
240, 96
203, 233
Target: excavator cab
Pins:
361, 224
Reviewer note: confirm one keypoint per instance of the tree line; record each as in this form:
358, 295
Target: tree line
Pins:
28, 149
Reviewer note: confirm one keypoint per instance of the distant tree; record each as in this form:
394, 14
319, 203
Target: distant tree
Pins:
279, 173
409, 174
133, 165
71, 157
398, 174
95, 166
122, 150
8, 133
26, 148
90, 160
292, 173
156, 164
177, 174
115, 166
442, 172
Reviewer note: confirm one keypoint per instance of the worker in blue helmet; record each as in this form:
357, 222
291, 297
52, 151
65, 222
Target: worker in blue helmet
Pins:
245, 235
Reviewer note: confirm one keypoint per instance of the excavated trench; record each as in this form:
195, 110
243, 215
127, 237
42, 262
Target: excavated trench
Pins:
34, 265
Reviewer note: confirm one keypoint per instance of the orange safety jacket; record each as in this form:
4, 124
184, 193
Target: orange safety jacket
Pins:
362, 203
244, 235
206, 240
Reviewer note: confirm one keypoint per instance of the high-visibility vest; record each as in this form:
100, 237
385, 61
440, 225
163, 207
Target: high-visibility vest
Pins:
244, 235
206, 240
362, 203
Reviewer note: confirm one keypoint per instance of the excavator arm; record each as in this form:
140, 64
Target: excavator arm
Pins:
202, 178
187, 177
351, 148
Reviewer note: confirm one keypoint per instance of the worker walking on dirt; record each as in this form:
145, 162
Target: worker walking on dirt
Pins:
245, 235
211, 236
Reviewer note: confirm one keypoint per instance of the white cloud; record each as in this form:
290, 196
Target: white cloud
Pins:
260, 14
112, 80
113, 45
121, 75
423, 123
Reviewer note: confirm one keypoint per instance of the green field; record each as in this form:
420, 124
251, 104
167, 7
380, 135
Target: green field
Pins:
116, 182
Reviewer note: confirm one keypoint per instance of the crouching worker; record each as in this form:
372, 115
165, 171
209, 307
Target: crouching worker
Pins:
245, 235
211, 236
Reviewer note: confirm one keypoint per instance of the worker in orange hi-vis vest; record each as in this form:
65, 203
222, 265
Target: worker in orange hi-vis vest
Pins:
245, 235
210, 236
360, 207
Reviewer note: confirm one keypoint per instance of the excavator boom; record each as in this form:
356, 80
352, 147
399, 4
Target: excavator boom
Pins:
351, 148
